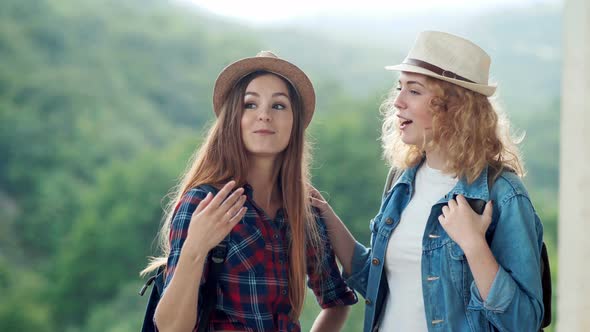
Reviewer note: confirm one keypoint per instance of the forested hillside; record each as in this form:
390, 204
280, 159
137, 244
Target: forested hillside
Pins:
101, 105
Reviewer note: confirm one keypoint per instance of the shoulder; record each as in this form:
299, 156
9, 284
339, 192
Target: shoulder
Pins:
198, 192
190, 200
507, 186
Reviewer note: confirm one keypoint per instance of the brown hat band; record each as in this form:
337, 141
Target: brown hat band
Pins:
435, 69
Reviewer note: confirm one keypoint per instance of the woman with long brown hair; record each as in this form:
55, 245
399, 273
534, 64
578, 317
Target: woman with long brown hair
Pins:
248, 183
435, 264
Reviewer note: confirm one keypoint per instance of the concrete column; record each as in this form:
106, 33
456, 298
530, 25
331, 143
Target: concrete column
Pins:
573, 291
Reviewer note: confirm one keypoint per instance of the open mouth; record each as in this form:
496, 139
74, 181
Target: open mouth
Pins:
404, 124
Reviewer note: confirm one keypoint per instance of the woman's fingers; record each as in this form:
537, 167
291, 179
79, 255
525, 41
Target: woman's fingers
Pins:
453, 203
231, 200
236, 207
233, 221
238, 216
222, 194
204, 203
445, 210
314, 192
316, 202
488, 209
487, 214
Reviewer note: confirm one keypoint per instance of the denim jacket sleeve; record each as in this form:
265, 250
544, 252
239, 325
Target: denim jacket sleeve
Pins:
515, 299
360, 265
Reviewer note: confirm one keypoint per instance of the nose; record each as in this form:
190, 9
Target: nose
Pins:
264, 114
399, 102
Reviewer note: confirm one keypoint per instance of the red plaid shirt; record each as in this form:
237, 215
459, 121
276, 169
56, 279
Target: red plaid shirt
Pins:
252, 288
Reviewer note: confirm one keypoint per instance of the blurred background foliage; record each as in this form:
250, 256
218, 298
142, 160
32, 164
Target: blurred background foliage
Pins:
103, 102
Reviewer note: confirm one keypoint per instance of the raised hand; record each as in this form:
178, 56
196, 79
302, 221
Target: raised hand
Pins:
464, 225
319, 201
214, 218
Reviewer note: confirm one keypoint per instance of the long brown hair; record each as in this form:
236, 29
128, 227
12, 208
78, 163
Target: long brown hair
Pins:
222, 157
472, 131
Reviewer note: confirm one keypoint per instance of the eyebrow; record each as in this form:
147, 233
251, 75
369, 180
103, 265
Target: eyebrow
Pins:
276, 94
412, 82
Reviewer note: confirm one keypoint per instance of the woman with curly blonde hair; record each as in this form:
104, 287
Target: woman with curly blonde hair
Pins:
434, 263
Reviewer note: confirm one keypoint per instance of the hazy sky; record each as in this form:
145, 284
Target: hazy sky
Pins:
267, 11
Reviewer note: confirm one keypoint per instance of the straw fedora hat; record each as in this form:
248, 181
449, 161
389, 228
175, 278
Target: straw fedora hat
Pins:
449, 58
265, 61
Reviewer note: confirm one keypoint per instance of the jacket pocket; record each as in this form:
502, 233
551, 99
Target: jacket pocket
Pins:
458, 269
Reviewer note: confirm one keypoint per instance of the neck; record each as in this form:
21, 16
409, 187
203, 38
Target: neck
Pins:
263, 177
436, 160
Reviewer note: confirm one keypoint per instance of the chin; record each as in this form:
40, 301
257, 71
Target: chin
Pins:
408, 141
264, 152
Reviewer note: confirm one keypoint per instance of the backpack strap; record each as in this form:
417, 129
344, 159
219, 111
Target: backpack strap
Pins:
158, 280
392, 176
216, 259
546, 283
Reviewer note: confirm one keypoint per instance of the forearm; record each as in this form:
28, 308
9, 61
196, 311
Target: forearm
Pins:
177, 309
483, 266
331, 319
509, 295
342, 241
514, 301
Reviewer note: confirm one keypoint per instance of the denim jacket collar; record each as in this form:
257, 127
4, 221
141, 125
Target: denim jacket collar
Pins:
476, 190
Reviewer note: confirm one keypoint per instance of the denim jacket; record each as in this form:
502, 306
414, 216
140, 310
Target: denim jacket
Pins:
451, 299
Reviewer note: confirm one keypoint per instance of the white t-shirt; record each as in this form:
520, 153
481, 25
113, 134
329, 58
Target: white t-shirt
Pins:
404, 306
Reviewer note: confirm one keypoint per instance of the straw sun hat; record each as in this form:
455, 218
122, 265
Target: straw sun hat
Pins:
449, 58
265, 61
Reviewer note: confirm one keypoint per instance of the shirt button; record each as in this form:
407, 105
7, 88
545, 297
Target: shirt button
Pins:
284, 292
376, 261
368, 302
389, 221
276, 236
281, 261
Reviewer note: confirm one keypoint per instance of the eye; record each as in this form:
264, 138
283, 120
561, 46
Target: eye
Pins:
279, 106
414, 92
399, 88
250, 106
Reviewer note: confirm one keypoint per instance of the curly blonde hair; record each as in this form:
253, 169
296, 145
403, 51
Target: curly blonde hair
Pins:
469, 128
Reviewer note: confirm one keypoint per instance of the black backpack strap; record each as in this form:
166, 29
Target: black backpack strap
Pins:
546, 283
158, 280
216, 260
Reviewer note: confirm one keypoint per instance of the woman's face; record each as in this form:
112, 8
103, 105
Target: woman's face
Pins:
413, 109
267, 118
